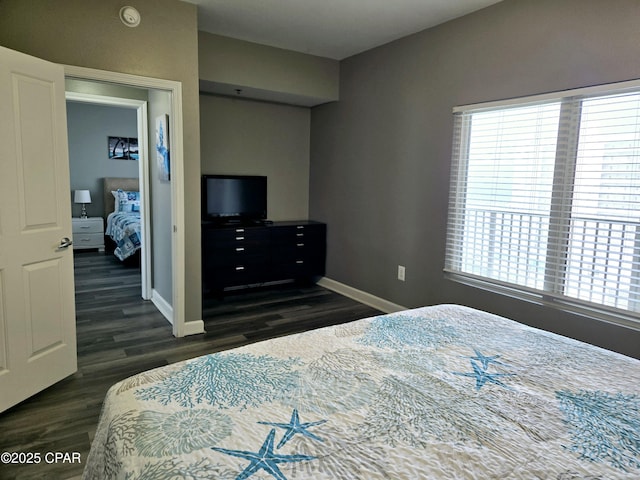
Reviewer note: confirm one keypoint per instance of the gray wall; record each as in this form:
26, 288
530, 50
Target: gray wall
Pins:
160, 196
265, 72
246, 137
380, 157
88, 128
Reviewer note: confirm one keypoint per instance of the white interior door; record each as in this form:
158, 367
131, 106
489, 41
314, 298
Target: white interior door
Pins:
37, 310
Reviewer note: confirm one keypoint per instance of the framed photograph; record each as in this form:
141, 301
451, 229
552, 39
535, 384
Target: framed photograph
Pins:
162, 147
123, 148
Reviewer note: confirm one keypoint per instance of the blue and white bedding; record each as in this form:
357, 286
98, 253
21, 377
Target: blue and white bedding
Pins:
124, 230
431, 393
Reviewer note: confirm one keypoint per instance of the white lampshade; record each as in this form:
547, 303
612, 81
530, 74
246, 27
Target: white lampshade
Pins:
82, 196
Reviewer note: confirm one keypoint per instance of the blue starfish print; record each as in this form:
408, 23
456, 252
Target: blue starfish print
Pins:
294, 426
485, 360
264, 459
482, 376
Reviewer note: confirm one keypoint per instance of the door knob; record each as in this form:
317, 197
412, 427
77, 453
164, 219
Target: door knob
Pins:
65, 243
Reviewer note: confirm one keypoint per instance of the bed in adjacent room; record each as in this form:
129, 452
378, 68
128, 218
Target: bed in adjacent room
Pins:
122, 211
431, 393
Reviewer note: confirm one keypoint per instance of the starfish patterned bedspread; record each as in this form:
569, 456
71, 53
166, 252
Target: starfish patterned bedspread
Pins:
432, 393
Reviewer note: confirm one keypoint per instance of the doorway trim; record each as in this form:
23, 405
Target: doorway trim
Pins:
180, 328
143, 172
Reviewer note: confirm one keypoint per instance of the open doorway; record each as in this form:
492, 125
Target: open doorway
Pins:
166, 255
95, 121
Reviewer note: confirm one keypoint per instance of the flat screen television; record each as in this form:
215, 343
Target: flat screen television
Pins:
234, 198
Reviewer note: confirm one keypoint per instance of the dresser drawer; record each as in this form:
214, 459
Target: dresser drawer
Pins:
218, 278
88, 240
89, 225
311, 265
232, 255
299, 250
295, 234
227, 237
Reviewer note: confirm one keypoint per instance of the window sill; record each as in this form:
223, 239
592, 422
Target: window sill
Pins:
561, 303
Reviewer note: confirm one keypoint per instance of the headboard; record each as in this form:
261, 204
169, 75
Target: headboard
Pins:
113, 183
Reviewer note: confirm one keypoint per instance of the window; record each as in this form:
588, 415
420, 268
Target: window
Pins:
545, 199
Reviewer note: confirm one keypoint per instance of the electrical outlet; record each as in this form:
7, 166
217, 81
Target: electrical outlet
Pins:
401, 273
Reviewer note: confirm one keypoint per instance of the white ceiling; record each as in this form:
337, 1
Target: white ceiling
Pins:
329, 28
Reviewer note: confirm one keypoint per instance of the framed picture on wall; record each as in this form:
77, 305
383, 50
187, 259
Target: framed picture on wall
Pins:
123, 148
162, 147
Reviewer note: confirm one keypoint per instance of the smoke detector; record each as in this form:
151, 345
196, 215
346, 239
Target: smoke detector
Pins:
130, 16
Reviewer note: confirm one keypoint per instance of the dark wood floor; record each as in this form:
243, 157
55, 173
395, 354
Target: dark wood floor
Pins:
120, 335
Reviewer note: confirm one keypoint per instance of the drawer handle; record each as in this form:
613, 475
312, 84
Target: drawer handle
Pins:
299, 261
240, 249
300, 244
299, 234
300, 227
239, 230
239, 238
238, 269
85, 227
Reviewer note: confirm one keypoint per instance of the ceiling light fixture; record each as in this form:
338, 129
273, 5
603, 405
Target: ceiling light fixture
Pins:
130, 16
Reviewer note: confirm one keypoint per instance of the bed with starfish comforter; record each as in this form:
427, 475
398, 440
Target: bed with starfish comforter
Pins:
436, 392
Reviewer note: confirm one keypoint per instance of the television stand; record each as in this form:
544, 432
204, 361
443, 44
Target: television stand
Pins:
241, 255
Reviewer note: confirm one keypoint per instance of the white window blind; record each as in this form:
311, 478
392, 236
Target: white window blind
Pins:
545, 198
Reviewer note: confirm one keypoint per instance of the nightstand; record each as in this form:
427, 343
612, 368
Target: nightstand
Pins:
88, 233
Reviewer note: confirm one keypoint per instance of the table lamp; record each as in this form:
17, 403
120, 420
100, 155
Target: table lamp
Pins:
83, 197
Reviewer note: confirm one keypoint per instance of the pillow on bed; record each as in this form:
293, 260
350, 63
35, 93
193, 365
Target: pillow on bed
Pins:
126, 201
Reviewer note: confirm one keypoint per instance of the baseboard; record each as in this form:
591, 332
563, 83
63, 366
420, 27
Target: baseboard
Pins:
362, 297
162, 305
194, 327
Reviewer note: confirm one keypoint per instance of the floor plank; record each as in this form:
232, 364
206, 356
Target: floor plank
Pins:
119, 335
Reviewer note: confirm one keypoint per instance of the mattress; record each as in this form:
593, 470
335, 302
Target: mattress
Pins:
431, 393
